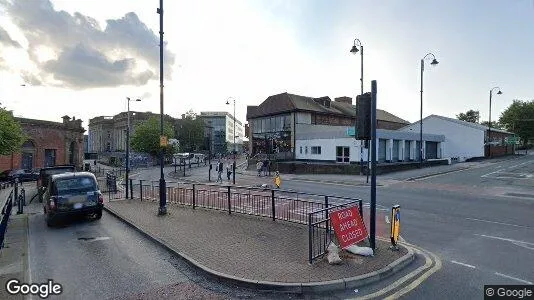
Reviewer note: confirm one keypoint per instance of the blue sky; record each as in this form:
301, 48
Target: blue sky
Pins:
253, 49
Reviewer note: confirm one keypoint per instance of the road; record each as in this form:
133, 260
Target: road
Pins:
106, 259
478, 221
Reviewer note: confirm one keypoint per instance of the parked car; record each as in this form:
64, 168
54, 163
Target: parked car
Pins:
20, 174
72, 194
44, 175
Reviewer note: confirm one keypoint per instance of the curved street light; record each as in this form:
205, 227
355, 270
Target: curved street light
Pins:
433, 63
128, 146
489, 123
357, 43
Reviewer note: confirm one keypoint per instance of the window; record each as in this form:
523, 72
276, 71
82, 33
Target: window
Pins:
75, 186
316, 150
50, 157
342, 154
300, 149
306, 149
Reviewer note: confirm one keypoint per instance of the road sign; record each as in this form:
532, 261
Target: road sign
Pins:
348, 226
351, 131
511, 140
163, 141
395, 225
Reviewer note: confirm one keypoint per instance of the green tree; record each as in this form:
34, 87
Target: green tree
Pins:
519, 118
472, 116
11, 134
147, 136
190, 132
494, 124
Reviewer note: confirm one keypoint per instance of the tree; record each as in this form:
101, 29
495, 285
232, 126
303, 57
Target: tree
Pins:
190, 132
519, 118
11, 135
147, 136
472, 116
494, 124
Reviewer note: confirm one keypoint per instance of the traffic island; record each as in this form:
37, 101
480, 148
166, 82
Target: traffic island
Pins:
252, 251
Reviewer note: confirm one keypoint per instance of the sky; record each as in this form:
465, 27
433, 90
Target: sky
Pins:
83, 58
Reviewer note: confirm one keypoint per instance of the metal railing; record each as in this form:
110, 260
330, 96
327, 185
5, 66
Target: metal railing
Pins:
6, 212
275, 204
320, 229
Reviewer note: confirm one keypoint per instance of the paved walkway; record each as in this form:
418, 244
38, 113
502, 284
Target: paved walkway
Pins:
248, 248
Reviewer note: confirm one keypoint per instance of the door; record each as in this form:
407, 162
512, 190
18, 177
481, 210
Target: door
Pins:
381, 150
395, 151
406, 150
431, 150
50, 157
27, 161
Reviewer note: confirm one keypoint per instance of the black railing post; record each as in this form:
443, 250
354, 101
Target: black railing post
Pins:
310, 242
131, 189
141, 189
229, 202
360, 208
194, 196
273, 209
326, 206
23, 194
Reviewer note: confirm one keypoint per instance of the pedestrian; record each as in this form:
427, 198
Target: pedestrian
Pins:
219, 170
259, 165
264, 167
228, 170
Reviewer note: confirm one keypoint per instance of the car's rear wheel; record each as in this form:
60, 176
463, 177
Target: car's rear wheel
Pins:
98, 215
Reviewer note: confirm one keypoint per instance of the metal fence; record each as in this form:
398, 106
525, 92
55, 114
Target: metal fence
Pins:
320, 229
109, 187
263, 202
6, 212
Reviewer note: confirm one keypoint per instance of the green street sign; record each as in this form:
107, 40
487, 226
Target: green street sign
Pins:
512, 140
351, 131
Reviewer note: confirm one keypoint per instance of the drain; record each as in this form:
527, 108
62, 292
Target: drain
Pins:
86, 238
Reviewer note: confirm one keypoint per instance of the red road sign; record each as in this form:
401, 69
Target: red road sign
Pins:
348, 226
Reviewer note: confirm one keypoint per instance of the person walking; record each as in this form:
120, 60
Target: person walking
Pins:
219, 170
228, 170
259, 165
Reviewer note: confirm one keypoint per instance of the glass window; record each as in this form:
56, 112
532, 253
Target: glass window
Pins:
300, 149
316, 150
76, 185
306, 150
342, 154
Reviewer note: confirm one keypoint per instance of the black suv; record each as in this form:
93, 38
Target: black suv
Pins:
44, 175
70, 194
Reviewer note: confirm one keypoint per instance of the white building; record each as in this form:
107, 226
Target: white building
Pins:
463, 140
334, 144
222, 131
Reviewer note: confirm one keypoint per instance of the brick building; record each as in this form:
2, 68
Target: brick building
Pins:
277, 123
47, 144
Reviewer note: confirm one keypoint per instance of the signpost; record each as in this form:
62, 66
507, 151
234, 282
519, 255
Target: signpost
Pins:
163, 141
395, 226
348, 226
277, 180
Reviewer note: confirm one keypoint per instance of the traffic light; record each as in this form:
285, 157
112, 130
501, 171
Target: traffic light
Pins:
363, 117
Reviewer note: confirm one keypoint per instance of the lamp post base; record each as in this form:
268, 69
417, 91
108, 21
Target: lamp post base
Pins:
162, 197
162, 211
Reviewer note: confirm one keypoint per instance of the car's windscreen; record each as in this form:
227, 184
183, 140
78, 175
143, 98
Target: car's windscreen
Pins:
57, 171
76, 185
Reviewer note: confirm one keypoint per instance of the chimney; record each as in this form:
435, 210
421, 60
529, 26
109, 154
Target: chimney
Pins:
66, 119
183, 116
344, 99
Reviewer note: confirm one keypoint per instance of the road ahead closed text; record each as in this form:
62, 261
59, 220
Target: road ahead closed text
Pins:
348, 226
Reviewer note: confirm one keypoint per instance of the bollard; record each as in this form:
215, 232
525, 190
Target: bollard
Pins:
273, 206
131, 189
194, 196
229, 202
141, 189
23, 194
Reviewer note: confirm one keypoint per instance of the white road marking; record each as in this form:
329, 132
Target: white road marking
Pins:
101, 238
494, 222
521, 164
513, 278
515, 242
486, 175
462, 264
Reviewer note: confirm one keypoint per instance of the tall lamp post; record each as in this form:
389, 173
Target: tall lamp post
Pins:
434, 62
162, 185
209, 148
357, 43
128, 147
489, 123
235, 150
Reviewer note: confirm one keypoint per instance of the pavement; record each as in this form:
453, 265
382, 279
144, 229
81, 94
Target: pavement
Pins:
14, 255
253, 251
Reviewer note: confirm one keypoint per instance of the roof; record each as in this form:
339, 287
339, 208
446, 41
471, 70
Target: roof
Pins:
464, 123
285, 103
72, 175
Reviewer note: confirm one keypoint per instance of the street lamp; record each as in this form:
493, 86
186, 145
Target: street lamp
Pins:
162, 185
128, 147
434, 62
489, 123
233, 167
355, 50
210, 128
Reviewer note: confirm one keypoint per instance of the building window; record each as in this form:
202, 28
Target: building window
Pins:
50, 157
306, 150
300, 149
342, 154
316, 150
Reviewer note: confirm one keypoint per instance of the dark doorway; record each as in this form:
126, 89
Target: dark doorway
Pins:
28, 154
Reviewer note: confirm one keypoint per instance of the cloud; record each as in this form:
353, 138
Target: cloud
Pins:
84, 67
6, 39
126, 52
31, 79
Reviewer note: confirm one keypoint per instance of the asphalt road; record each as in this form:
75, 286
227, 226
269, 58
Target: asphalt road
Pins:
481, 233
106, 259
478, 221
